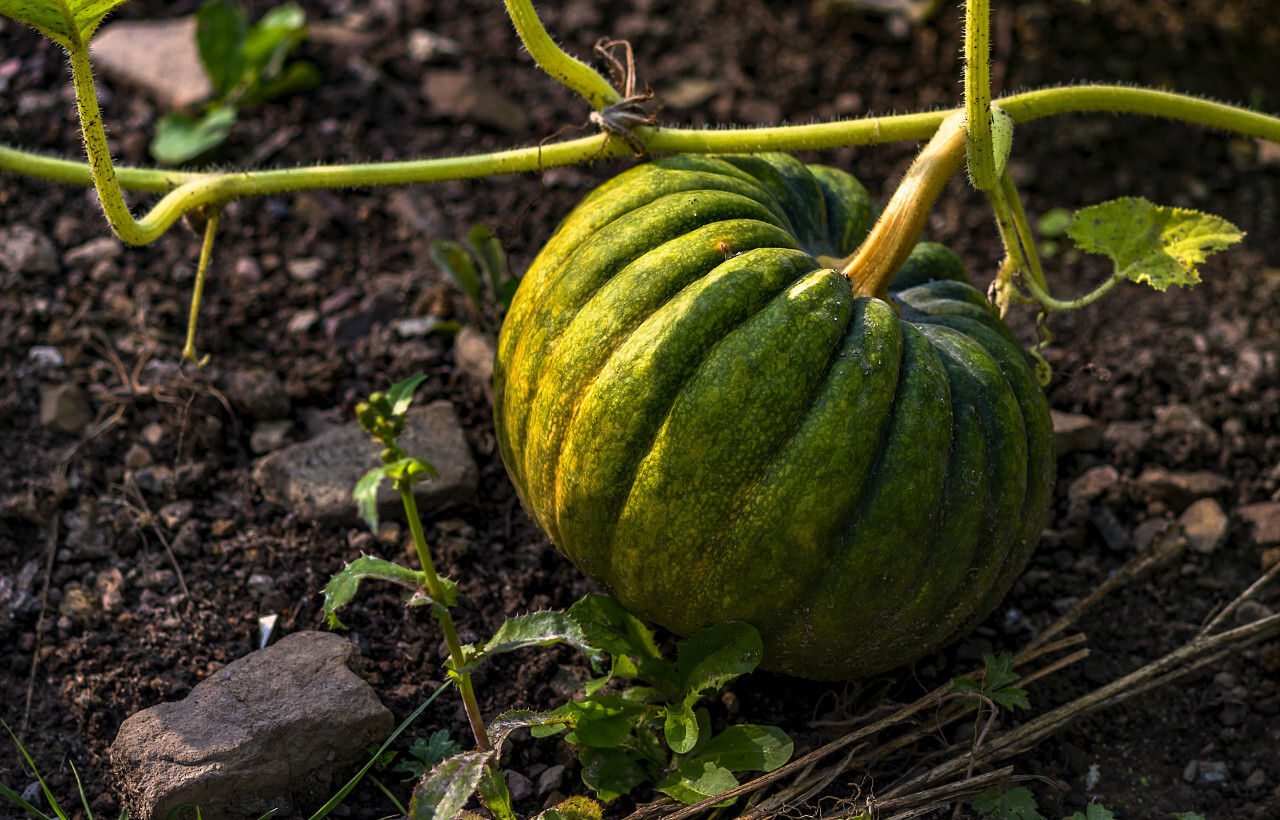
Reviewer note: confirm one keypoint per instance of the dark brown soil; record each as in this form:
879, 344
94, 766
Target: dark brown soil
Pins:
1214, 349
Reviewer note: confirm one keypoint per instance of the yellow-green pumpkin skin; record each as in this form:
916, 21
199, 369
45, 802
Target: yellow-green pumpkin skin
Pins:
705, 419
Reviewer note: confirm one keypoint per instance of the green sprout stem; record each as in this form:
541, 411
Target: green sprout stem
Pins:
436, 589
565, 69
202, 268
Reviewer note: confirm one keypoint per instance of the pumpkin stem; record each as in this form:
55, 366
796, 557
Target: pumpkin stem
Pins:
882, 253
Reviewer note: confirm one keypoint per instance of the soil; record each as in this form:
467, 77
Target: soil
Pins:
187, 605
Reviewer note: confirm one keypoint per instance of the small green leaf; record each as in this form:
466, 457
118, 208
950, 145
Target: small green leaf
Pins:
717, 654
443, 792
609, 626
695, 780
493, 260
401, 394
221, 26
1016, 804
747, 747
366, 496
1001, 137
180, 138
297, 77
507, 722
69, 23
495, 795
1188, 815
270, 40
426, 753
542, 628
604, 721
680, 727
454, 260
342, 586
574, 808
1096, 811
1151, 243
610, 773
1054, 223
410, 469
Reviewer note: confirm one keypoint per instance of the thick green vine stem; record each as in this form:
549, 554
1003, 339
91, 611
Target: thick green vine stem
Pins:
977, 95
552, 59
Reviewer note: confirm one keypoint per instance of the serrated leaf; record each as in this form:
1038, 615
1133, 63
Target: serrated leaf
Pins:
454, 260
680, 727
446, 789
221, 26
1097, 811
998, 671
342, 586
610, 773
507, 722
1015, 804
715, 655
542, 628
609, 626
747, 747
401, 393
1158, 245
695, 780
69, 23
427, 752
495, 795
574, 808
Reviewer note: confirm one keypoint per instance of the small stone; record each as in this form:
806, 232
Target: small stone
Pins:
259, 583
551, 779
517, 784
222, 528
1073, 432
157, 56
1182, 420
305, 269
187, 543
315, 478
45, 357
1213, 771
464, 97
154, 480
389, 532
24, 250
78, 605
1265, 520
1190, 770
1251, 611
1270, 558
375, 309
273, 730
1127, 436
174, 514
303, 320
257, 392
474, 353
1178, 489
1205, 526
1093, 483
110, 588
65, 408
428, 47
93, 252
153, 434
1256, 780
1109, 527
137, 457
269, 436
690, 92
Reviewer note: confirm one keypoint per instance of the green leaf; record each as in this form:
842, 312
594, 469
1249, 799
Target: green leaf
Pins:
747, 747
1001, 137
1016, 804
1096, 811
297, 77
695, 780
342, 586
180, 138
493, 260
1188, 815
454, 260
610, 773
410, 469
1054, 223
426, 753
270, 40
604, 721
680, 727
1151, 243
443, 792
542, 628
69, 23
366, 496
609, 626
717, 654
401, 394
495, 795
507, 722
221, 26
574, 808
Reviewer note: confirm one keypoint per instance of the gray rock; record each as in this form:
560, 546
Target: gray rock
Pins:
305, 269
1265, 518
24, 250
65, 408
172, 515
551, 779
1256, 780
315, 478
1251, 611
1182, 420
257, 392
269, 436
1127, 436
1205, 526
1093, 483
474, 353
276, 729
1073, 432
517, 783
158, 57
102, 249
1177, 489
465, 97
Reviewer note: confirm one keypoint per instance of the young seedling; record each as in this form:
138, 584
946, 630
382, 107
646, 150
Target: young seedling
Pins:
995, 692
479, 269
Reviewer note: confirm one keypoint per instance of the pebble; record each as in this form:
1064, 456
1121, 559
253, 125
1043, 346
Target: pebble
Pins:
137, 457
474, 353
1182, 420
110, 588
1177, 489
1256, 780
306, 269
78, 605
159, 57
187, 543
1205, 526
1212, 771
174, 514
1093, 483
260, 583
465, 97
1265, 520
24, 250
1251, 611
518, 784
551, 779
93, 252
1109, 527
1073, 432
65, 408
153, 434
45, 357
1270, 558
257, 392
269, 436
1127, 436
303, 320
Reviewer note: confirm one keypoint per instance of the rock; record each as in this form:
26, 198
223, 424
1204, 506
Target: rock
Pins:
102, 249
306, 269
1265, 519
1113, 533
78, 605
1256, 780
465, 97
24, 250
65, 408
474, 353
1182, 420
1212, 771
1073, 432
1127, 436
303, 320
276, 729
1177, 489
375, 309
517, 783
269, 436
137, 457
159, 57
315, 478
110, 588
257, 392
45, 357
1205, 526
689, 92
428, 47
551, 779
172, 515
1093, 483
1270, 558
1251, 611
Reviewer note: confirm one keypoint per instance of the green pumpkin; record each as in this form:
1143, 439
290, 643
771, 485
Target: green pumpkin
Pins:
703, 415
